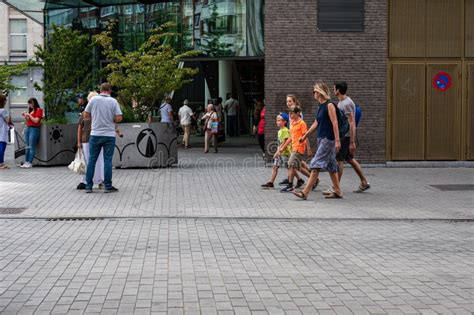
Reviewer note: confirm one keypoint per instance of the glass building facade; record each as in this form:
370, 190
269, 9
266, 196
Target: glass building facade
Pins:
217, 28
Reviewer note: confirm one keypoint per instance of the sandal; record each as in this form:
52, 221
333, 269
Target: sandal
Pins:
333, 195
361, 189
300, 195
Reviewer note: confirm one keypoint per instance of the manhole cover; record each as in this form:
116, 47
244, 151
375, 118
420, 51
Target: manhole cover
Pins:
454, 187
11, 210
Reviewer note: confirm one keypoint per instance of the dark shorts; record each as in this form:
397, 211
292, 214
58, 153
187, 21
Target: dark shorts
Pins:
344, 153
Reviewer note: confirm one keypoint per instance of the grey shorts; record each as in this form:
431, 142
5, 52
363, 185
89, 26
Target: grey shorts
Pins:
295, 160
325, 157
281, 161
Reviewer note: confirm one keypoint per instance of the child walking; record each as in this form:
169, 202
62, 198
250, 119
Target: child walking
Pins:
297, 130
280, 159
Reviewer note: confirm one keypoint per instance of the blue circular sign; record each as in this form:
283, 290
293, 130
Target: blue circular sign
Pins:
442, 81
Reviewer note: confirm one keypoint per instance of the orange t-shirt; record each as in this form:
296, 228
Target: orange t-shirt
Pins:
297, 130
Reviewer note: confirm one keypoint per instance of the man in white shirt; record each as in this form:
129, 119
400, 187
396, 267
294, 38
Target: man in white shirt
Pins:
185, 114
231, 107
105, 112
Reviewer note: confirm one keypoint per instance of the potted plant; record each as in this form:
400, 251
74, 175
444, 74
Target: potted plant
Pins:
66, 59
143, 78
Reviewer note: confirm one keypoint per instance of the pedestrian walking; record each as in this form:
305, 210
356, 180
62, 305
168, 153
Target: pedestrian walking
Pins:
32, 131
281, 157
259, 118
166, 111
231, 107
348, 142
298, 148
104, 111
291, 102
83, 135
326, 124
211, 128
185, 115
5, 123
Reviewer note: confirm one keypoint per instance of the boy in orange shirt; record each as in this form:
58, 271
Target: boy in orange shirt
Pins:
297, 130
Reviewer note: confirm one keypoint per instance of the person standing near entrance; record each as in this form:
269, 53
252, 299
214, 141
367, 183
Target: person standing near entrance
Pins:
211, 128
166, 111
105, 112
185, 114
326, 124
348, 143
231, 107
32, 132
259, 117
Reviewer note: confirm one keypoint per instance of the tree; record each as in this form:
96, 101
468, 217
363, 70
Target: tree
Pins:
67, 60
8, 71
146, 76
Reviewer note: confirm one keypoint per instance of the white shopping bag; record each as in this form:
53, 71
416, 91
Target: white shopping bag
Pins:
79, 164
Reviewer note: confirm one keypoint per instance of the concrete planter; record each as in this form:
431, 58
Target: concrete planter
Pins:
146, 145
55, 147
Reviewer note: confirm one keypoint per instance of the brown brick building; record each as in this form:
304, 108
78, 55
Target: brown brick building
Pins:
297, 54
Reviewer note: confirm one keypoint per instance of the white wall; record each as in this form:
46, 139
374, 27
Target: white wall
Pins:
34, 37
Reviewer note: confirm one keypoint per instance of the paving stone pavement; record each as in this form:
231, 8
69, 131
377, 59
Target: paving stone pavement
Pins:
228, 185
203, 238
230, 266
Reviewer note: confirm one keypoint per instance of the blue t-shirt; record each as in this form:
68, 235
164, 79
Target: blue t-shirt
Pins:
324, 122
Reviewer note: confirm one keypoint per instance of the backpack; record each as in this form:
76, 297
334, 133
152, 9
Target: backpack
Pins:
342, 122
358, 114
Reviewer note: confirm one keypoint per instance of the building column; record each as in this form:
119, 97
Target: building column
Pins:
225, 78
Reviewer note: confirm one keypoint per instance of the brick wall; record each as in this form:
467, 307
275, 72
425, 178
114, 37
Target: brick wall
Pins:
296, 55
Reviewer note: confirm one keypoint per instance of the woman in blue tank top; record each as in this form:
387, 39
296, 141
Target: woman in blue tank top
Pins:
328, 142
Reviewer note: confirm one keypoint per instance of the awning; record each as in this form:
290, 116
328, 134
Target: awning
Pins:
64, 4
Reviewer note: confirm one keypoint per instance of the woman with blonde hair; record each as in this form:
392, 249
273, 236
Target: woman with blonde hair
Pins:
83, 135
328, 142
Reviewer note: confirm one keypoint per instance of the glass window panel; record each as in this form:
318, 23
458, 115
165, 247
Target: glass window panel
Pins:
18, 26
19, 96
18, 43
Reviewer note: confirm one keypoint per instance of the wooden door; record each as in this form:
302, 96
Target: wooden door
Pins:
443, 110
407, 111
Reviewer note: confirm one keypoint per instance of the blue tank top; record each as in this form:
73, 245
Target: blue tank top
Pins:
324, 122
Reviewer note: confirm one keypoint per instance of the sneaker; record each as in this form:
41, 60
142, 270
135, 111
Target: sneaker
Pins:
27, 165
284, 182
101, 186
329, 191
111, 190
88, 190
267, 185
299, 183
288, 188
81, 186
